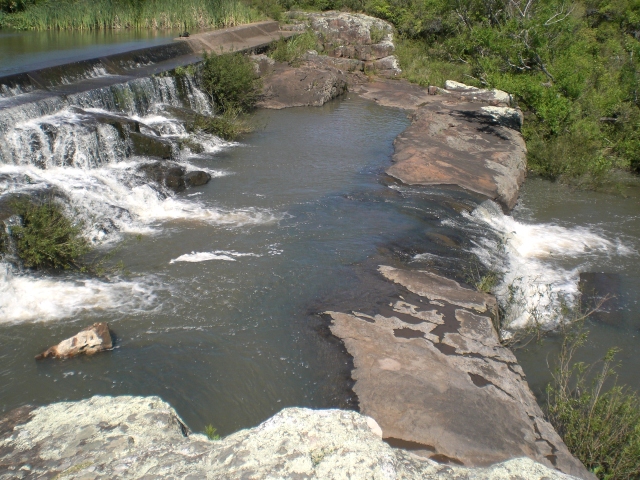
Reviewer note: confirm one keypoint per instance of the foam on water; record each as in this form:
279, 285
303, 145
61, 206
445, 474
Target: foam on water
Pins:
540, 263
227, 255
25, 298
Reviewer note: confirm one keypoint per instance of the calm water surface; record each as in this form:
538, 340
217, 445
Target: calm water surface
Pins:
26, 51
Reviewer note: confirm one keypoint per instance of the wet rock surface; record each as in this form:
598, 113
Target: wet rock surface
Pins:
429, 368
173, 176
91, 340
142, 437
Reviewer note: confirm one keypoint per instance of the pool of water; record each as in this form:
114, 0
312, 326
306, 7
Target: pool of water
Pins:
214, 315
25, 51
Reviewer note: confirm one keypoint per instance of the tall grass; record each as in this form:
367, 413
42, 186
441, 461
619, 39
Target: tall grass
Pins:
115, 14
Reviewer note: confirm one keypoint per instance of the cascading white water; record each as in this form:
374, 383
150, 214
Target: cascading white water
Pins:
64, 146
540, 264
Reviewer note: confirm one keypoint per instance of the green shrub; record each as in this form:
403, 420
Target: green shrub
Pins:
231, 82
598, 420
228, 126
290, 51
47, 238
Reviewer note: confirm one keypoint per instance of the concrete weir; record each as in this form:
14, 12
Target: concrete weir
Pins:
103, 72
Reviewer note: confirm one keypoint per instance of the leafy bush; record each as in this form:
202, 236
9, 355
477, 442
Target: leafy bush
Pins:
290, 51
600, 425
228, 126
47, 238
231, 82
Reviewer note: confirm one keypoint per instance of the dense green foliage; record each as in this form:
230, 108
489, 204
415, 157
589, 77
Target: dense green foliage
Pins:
47, 238
573, 67
231, 82
105, 14
599, 422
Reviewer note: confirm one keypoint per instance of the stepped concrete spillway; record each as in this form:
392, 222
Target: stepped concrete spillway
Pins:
36, 85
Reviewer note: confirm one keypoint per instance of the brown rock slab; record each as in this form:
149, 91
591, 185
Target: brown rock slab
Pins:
93, 339
394, 93
432, 373
453, 143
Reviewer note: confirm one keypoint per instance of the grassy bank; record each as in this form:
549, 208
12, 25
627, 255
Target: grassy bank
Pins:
574, 68
108, 14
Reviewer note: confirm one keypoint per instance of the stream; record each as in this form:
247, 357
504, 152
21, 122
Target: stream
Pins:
218, 309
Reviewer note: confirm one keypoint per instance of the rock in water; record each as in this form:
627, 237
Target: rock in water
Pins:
93, 339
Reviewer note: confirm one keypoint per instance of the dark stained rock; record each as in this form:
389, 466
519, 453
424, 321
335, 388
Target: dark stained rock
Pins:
150, 145
197, 178
93, 339
173, 176
429, 368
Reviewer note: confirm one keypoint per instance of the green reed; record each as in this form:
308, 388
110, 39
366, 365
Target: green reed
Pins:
116, 14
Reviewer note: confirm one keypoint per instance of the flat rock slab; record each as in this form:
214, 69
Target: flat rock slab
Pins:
429, 368
471, 145
143, 437
463, 144
395, 94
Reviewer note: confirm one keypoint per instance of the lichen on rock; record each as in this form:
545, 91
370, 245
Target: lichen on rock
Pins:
142, 437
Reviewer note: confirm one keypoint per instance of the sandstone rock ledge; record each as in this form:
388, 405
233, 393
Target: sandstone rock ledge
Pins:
452, 141
143, 438
429, 368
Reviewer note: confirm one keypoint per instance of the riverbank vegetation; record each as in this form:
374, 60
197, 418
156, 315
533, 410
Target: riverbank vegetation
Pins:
46, 238
187, 15
573, 67
598, 420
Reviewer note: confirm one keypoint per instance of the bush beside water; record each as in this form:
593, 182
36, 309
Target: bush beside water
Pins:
598, 420
47, 238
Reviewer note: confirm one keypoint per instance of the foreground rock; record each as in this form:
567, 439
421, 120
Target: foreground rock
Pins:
91, 340
142, 437
429, 368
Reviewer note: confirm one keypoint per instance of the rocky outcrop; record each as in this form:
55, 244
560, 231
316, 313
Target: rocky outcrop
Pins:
142, 437
91, 340
430, 369
173, 176
311, 84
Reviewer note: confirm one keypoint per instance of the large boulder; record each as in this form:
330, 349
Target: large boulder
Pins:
310, 84
143, 437
89, 341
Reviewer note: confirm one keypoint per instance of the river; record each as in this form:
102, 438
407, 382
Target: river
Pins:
218, 310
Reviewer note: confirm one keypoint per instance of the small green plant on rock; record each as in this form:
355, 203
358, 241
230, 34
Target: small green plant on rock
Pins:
211, 432
377, 34
47, 238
